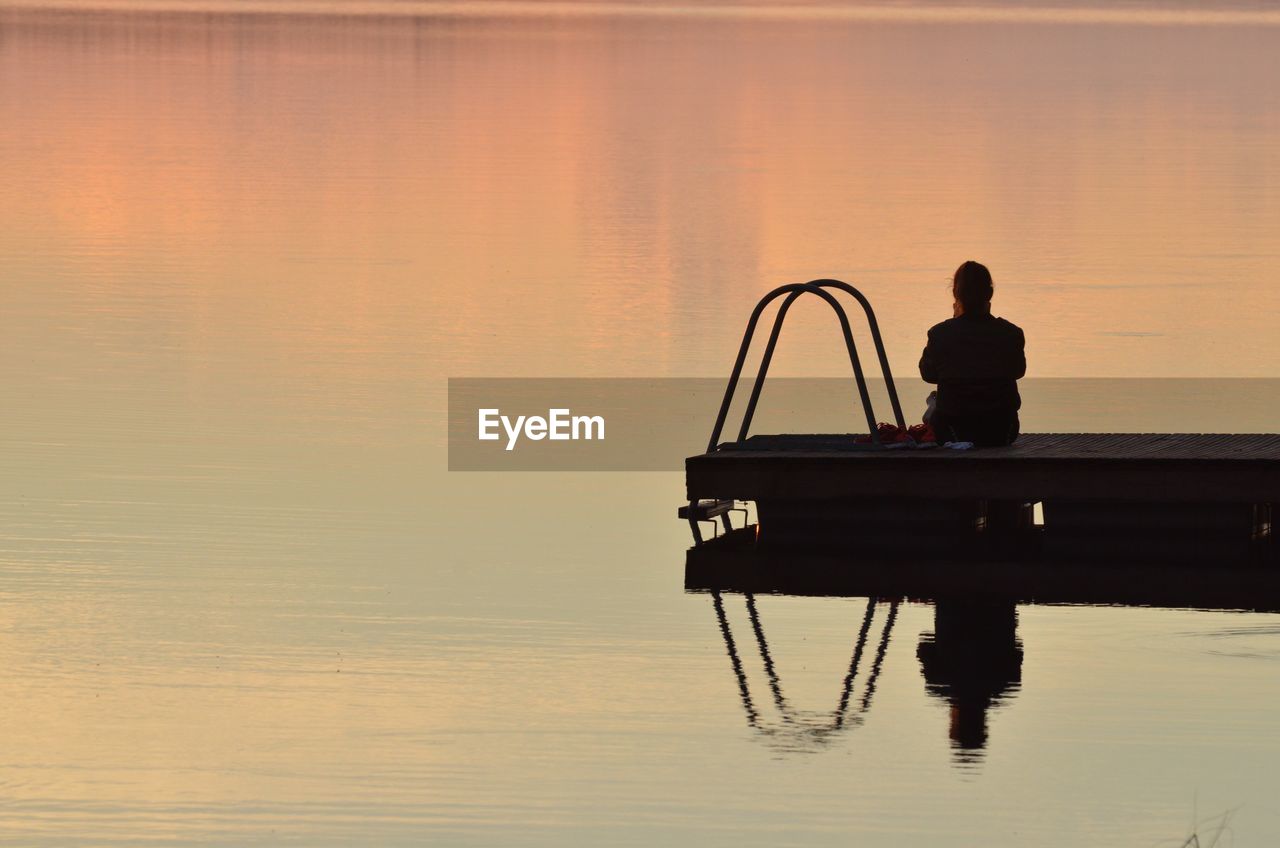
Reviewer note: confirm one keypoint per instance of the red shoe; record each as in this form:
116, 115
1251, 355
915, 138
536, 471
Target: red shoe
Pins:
890, 434
922, 434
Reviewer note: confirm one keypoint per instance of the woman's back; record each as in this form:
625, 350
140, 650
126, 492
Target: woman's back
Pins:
976, 360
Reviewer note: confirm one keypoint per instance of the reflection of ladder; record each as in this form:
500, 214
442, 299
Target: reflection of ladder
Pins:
793, 291
813, 728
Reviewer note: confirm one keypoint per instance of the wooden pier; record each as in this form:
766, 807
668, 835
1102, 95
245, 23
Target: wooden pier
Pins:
1189, 499
1166, 497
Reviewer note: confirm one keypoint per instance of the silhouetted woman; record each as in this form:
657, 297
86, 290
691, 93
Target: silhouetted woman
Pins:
976, 360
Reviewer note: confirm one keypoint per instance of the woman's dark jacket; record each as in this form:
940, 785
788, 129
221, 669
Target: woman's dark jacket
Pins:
976, 360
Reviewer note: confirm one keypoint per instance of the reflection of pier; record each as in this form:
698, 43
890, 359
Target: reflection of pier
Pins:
972, 659
735, 562
805, 729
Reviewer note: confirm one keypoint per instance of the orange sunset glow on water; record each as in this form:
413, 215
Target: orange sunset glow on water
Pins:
244, 246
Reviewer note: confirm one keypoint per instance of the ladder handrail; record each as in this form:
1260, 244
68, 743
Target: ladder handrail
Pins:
794, 290
773, 343
746, 344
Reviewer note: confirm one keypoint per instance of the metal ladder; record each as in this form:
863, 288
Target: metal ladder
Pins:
793, 292
709, 510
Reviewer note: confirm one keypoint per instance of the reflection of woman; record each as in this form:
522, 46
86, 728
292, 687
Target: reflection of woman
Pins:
976, 360
972, 659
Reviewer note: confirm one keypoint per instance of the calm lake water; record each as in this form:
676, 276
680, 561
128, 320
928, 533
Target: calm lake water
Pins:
242, 600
